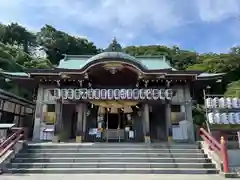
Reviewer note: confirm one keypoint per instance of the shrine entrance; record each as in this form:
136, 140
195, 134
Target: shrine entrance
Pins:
115, 120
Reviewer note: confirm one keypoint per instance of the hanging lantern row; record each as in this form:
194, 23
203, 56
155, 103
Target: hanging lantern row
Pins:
216, 102
224, 118
115, 94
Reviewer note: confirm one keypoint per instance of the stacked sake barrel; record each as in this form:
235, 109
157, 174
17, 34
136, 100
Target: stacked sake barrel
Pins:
216, 116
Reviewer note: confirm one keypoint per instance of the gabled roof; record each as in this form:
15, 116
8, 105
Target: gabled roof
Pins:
19, 74
146, 62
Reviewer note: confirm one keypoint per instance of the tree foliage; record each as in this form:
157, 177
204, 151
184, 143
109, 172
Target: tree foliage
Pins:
18, 47
57, 43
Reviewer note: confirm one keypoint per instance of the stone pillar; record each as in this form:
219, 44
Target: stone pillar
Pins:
188, 111
38, 115
58, 127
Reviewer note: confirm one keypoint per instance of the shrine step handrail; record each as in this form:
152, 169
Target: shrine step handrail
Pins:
218, 147
8, 144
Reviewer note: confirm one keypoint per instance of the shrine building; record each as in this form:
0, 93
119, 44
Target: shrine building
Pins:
113, 96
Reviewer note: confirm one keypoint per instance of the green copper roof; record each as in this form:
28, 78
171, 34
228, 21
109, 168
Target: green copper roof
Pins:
23, 74
148, 62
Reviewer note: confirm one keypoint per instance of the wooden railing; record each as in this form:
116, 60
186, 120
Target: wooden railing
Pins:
218, 147
17, 134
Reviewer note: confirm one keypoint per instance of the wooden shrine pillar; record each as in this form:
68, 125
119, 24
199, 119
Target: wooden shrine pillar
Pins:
145, 123
168, 112
38, 115
79, 126
58, 127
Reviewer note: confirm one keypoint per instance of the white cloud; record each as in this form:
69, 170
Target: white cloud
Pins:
125, 19
217, 10
127, 16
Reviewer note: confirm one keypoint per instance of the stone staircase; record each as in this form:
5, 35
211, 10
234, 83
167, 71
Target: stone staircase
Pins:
111, 158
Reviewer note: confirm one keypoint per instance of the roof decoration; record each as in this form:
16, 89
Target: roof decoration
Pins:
114, 46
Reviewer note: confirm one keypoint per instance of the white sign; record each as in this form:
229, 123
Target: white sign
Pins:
115, 94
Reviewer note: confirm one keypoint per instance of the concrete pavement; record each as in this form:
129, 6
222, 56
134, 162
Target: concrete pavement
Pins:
109, 177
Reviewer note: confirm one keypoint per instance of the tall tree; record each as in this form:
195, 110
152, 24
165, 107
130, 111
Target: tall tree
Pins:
56, 43
14, 34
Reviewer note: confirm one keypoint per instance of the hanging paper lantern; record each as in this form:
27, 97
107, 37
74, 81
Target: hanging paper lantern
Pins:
84, 93
104, 94
149, 94
223, 118
97, 94
211, 118
110, 94
215, 102
129, 94
229, 103
77, 94
217, 118
238, 118
57, 93
138, 94
227, 119
123, 94
209, 103
222, 102
238, 103
70, 94
91, 94
64, 94
232, 118
168, 94
155, 94
162, 94
116, 93
235, 103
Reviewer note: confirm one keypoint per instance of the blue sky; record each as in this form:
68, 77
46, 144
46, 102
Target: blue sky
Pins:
200, 25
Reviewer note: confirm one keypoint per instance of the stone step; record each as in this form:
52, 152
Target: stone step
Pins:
112, 170
113, 159
109, 145
111, 165
112, 150
52, 155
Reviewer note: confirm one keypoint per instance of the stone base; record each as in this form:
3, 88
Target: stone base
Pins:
170, 140
78, 139
231, 175
56, 139
147, 139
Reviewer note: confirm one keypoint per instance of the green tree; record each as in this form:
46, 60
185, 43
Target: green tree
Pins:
56, 43
14, 34
179, 59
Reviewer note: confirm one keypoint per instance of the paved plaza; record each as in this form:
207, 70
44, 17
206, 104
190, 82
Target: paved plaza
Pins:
109, 177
